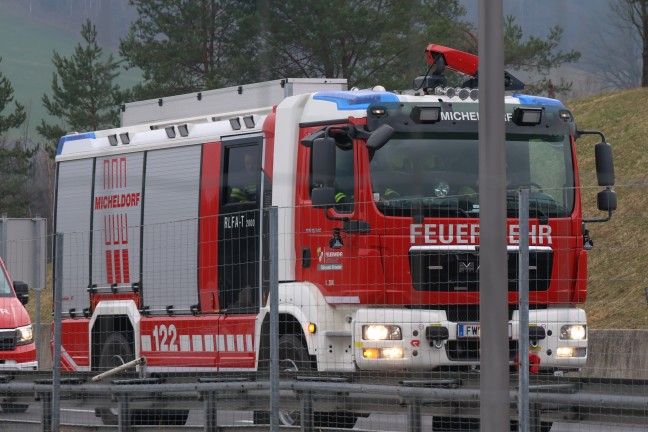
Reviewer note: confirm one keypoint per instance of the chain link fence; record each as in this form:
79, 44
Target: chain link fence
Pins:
261, 319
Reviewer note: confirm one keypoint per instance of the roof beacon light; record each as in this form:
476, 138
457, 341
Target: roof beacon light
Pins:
463, 93
447, 91
527, 116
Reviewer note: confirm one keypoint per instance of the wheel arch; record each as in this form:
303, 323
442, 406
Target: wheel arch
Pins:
289, 324
113, 317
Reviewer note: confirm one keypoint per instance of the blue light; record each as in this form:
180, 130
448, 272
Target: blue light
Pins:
75, 137
355, 100
538, 100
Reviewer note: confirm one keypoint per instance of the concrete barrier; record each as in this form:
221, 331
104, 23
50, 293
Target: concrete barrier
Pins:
611, 353
617, 354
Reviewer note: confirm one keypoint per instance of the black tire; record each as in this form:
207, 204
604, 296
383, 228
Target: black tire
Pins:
13, 408
115, 351
294, 357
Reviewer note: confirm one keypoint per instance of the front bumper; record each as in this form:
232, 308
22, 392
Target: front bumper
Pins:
430, 340
22, 357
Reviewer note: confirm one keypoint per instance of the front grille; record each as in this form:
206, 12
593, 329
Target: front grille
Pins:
458, 271
468, 350
7, 340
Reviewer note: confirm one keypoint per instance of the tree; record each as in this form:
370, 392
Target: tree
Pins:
536, 56
632, 17
84, 97
183, 46
15, 159
12, 119
15, 167
368, 42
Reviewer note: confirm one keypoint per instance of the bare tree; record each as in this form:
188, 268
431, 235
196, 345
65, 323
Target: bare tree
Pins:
633, 16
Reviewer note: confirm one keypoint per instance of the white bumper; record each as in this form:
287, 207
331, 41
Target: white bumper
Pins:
455, 345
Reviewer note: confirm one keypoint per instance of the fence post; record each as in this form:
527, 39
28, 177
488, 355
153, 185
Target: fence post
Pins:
210, 411
523, 286
123, 418
46, 416
306, 413
56, 360
414, 415
274, 319
38, 286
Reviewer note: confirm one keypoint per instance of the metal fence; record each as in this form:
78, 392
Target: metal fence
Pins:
257, 320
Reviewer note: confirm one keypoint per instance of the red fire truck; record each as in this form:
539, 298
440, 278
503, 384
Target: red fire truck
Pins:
166, 239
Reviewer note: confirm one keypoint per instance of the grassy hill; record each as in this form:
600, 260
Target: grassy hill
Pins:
617, 264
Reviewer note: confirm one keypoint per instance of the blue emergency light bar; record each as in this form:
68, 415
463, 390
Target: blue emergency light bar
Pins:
355, 100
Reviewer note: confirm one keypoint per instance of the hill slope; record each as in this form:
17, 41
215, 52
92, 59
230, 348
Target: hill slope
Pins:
617, 264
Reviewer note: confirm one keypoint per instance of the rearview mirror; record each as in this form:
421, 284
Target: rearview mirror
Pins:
379, 137
604, 164
22, 291
323, 161
606, 200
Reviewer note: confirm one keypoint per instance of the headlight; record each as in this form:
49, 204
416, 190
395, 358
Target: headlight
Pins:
378, 332
24, 335
573, 332
568, 352
385, 353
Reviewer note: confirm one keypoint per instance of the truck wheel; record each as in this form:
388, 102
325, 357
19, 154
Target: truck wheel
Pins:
115, 352
294, 357
12, 408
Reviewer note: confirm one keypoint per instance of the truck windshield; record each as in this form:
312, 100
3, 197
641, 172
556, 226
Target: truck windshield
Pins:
437, 175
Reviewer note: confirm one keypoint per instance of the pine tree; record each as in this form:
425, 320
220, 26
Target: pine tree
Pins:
15, 160
536, 56
15, 118
187, 46
368, 42
84, 97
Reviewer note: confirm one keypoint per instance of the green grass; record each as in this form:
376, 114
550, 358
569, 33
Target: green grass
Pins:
617, 264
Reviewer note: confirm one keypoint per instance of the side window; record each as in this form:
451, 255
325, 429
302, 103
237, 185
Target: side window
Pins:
242, 168
344, 180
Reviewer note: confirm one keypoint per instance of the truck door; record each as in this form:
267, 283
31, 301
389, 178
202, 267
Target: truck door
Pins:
239, 250
239, 263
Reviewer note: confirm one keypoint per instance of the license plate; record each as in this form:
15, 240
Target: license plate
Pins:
471, 330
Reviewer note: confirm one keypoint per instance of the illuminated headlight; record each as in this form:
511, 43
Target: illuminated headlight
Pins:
24, 335
565, 352
378, 332
385, 353
573, 332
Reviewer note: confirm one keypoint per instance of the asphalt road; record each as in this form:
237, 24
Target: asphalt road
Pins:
80, 415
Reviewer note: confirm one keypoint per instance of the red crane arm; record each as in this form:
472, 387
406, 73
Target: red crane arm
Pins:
454, 59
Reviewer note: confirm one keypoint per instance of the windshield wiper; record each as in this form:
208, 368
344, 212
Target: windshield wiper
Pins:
534, 208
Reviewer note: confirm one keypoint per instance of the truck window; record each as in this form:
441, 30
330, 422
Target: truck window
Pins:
242, 168
344, 179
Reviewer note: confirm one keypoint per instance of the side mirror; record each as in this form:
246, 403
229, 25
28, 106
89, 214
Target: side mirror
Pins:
22, 291
323, 162
604, 164
606, 200
379, 137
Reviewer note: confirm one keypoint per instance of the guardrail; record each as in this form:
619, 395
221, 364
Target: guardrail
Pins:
548, 401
